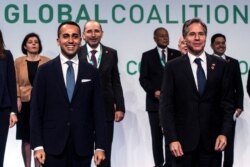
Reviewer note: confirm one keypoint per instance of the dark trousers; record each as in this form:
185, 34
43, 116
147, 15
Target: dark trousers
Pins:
109, 141
199, 158
157, 141
68, 158
229, 150
4, 129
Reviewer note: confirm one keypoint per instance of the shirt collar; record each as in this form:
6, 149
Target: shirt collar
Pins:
98, 48
193, 57
223, 56
160, 49
63, 59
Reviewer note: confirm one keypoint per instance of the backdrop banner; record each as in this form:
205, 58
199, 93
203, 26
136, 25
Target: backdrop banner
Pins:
128, 27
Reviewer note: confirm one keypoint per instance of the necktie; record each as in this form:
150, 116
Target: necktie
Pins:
201, 78
163, 55
70, 79
93, 58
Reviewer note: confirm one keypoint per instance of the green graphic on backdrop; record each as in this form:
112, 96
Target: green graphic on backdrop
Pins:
119, 13
133, 67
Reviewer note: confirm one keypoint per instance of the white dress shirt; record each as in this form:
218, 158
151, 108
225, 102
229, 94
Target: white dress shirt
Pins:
97, 54
194, 65
65, 66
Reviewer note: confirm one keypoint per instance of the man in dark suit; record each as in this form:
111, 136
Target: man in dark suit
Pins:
196, 105
67, 116
218, 44
151, 74
106, 60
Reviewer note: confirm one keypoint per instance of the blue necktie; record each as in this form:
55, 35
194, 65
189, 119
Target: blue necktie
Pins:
201, 78
70, 79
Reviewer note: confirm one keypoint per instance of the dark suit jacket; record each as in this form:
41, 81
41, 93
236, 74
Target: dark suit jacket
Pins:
8, 95
110, 80
54, 117
151, 75
235, 74
188, 117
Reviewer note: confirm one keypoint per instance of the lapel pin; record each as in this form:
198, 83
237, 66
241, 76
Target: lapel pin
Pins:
213, 66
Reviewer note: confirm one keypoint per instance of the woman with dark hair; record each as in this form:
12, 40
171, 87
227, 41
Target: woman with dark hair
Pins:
26, 67
8, 106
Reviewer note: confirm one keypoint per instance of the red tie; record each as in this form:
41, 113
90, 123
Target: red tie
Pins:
93, 58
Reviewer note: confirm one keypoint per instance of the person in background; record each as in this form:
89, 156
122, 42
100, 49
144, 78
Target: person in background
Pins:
218, 44
196, 106
8, 95
26, 67
67, 119
105, 59
182, 46
151, 75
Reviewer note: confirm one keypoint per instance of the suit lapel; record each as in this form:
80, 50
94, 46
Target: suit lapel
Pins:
211, 65
59, 77
83, 54
104, 57
80, 75
157, 60
189, 73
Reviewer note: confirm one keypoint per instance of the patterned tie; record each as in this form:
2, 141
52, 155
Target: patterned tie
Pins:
70, 79
163, 55
201, 78
93, 58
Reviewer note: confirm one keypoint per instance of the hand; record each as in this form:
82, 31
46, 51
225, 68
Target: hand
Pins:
119, 115
12, 120
40, 156
220, 143
99, 157
157, 94
175, 148
238, 111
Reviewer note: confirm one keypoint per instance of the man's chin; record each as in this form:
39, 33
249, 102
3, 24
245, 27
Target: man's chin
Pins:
69, 55
94, 45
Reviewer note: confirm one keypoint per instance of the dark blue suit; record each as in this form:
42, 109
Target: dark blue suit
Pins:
194, 120
8, 98
55, 120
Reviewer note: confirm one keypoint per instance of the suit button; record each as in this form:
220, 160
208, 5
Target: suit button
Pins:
68, 123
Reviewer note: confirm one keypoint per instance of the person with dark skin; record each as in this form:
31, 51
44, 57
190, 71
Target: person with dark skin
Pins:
151, 75
218, 44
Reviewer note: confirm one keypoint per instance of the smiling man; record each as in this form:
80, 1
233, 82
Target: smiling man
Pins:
67, 116
218, 44
195, 105
105, 59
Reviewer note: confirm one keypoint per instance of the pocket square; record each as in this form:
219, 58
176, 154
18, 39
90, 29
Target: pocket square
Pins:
85, 80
